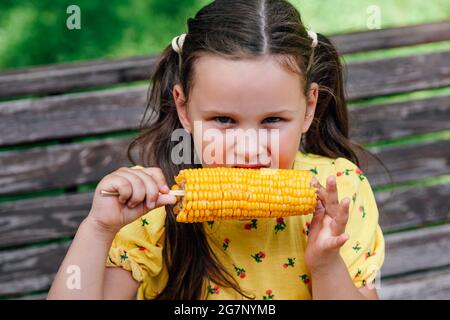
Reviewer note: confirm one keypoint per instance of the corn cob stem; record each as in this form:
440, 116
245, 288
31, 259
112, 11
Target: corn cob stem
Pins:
172, 192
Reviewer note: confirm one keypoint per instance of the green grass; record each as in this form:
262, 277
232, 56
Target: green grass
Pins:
35, 33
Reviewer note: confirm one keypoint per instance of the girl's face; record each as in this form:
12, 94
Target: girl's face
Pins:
246, 113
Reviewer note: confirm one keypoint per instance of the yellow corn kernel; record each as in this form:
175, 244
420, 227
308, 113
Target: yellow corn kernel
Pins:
236, 193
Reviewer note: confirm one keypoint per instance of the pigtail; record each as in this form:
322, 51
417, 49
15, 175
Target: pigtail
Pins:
329, 131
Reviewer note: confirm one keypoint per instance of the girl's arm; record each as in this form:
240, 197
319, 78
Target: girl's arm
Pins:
334, 283
83, 273
84, 264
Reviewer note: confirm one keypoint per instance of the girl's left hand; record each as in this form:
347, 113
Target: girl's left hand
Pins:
327, 229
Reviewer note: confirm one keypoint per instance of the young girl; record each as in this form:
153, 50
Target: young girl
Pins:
241, 65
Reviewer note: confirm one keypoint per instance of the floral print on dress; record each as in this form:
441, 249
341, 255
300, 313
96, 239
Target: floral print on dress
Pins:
369, 254
144, 222
354, 197
251, 225
305, 279
356, 247
269, 295
240, 272
258, 256
123, 256
360, 174
290, 263
213, 290
226, 243
344, 172
280, 225
361, 209
306, 228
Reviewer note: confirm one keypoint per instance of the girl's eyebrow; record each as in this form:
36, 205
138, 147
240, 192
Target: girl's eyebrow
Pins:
237, 114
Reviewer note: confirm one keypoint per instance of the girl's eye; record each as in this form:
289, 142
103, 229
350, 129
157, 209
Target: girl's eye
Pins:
272, 119
223, 120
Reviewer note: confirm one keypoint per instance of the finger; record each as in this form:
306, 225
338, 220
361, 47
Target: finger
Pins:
331, 197
164, 199
317, 219
153, 197
158, 177
123, 187
151, 189
138, 187
341, 219
321, 191
335, 243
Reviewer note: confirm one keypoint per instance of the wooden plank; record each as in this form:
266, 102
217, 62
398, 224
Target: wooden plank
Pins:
44, 218
429, 285
392, 37
413, 207
64, 77
71, 115
58, 78
396, 75
416, 250
365, 79
40, 296
67, 165
54, 217
401, 119
32, 269
61, 166
408, 162
76, 115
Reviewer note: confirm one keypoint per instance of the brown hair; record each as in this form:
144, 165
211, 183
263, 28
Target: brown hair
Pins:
235, 29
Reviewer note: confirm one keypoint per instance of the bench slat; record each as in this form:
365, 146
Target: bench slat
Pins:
392, 37
430, 285
401, 119
59, 78
71, 115
397, 75
33, 269
366, 78
75, 115
48, 218
409, 162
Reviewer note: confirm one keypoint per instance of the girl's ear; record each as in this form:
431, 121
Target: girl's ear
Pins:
311, 102
179, 98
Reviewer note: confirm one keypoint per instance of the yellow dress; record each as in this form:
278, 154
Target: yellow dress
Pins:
266, 256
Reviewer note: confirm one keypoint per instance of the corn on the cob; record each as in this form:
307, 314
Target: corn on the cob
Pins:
239, 193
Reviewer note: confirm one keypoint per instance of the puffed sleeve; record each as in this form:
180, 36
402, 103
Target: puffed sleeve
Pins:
138, 246
364, 251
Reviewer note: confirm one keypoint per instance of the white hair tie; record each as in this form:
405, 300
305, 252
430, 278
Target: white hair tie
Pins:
177, 42
313, 36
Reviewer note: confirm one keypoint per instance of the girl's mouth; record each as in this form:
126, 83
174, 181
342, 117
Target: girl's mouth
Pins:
250, 166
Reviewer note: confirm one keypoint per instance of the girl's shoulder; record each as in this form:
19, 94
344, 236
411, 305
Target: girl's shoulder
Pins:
323, 166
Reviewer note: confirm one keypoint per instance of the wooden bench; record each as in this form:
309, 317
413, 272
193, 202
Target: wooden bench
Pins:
57, 143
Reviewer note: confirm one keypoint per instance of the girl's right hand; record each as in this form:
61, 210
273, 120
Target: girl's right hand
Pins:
140, 190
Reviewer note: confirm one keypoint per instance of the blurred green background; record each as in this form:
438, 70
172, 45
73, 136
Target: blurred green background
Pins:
35, 32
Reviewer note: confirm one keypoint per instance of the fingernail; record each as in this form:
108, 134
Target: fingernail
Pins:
165, 188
